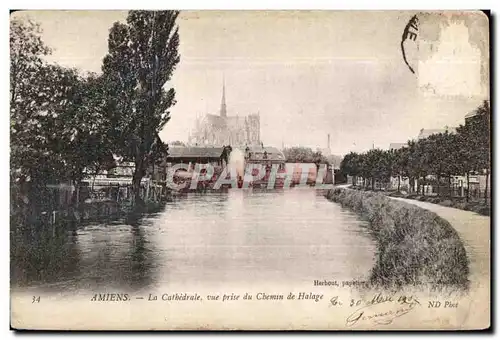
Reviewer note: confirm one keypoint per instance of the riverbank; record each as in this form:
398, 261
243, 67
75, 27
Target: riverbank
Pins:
479, 207
453, 202
414, 246
89, 212
474, 231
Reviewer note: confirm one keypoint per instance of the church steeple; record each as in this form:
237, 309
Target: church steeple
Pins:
223, 112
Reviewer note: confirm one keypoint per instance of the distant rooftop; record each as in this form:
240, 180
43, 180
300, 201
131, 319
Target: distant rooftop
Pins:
471, 114
194, 152
272, 153
397, 146
424, 133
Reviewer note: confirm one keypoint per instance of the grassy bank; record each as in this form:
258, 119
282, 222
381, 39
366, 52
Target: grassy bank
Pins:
414, 246
474, 205
454, 202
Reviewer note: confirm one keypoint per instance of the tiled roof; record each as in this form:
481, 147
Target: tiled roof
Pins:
194, 152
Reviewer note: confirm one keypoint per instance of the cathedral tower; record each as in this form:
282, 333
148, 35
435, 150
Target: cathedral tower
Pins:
223, 112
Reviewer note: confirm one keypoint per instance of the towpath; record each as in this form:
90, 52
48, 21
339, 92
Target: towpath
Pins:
474, 230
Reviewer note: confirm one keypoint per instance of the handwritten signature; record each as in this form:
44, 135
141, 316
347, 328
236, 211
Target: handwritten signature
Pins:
383, 312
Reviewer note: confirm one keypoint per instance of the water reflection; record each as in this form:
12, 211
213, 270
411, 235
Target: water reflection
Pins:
44, 256
228, 238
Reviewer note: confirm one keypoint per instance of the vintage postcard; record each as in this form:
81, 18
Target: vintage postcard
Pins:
250, 170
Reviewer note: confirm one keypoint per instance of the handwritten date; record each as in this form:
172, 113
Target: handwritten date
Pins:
379, 309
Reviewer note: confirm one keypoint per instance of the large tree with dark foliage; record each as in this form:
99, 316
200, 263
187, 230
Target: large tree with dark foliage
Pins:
351, 166
142, 56
58, 120
301, 154
43, 101
474, 138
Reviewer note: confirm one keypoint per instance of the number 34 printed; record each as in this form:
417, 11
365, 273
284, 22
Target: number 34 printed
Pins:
36, 299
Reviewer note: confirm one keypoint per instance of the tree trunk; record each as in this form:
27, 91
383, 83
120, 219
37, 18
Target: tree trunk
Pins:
399, 183
423, 186
438, 179
93, 182
449, 187
75, 198
486, 188
136, 183
468, 188
373, 184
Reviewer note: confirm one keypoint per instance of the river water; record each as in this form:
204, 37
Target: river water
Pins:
235, 238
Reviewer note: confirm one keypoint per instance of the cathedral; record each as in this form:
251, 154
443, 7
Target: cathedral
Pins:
221, 129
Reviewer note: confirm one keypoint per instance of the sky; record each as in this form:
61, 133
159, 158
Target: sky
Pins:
308, 73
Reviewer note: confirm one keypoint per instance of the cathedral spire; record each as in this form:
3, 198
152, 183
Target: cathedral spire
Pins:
223, 112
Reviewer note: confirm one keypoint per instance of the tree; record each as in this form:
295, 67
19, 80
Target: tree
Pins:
90, 143
59, 122
142, 56
443, 153
26, 58
226, 153
412, 163
390, 159
481, 126
298, 155
467, 160
401, 164
43, 100
473, 141
375, 167
318, 159
350, 165
26, 98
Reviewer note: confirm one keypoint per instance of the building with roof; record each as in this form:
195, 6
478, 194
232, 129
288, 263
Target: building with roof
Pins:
397, 146
195, 154
424, 133
221, 129
470, 116
265, 155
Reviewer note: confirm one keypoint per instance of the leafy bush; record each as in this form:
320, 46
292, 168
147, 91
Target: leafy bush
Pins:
479, 208
484, 211
446, 203
414, 245
461, 205
395, 194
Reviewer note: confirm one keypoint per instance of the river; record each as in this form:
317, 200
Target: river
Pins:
236, 238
